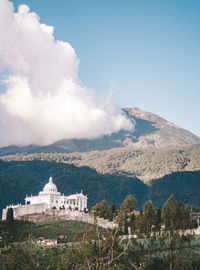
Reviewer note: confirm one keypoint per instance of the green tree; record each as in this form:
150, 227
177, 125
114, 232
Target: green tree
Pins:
149, 220
149, 215
146, 226
71, 259
125, 219
122, 222
128, 204
102, 249
9, 217
103, 210
176, 216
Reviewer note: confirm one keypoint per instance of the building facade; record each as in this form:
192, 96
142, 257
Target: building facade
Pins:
47, 199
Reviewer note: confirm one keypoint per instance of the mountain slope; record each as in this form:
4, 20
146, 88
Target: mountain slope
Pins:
151, 131
29, 177
157, 152
184, 186
146, 164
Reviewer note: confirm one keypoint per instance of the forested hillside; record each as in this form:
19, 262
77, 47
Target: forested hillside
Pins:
18, 178
144, 164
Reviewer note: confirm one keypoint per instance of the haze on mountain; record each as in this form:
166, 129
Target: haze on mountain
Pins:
151, 131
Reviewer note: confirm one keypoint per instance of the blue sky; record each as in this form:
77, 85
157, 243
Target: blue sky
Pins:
147, 52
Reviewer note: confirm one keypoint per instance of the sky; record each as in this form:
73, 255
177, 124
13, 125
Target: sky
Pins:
145, 52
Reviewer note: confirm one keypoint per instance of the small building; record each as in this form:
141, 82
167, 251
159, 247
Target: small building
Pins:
48, 199
50, 242
46, 242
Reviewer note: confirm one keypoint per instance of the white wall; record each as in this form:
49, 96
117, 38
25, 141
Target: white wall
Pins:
26, 209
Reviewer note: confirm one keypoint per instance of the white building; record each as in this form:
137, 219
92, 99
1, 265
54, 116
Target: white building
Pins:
48, 199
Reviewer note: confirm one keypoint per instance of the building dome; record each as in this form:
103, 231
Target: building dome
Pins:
50, 186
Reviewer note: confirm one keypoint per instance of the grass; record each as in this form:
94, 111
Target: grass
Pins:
72, 230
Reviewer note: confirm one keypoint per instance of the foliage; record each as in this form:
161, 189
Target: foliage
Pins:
149, 220
5, 234
9, 217
145, 164
24, 231
93, 248
103, 210
19, 178
99, 250
128, 204
29, 256
102, 250
125, 219
175, 215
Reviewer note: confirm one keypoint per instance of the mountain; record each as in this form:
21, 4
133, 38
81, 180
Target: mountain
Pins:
154, 161
151, 131
145, 164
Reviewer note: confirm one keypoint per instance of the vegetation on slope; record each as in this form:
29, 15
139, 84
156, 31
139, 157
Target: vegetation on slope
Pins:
17, 178
184, 186
143, 164
24, 230
151, 247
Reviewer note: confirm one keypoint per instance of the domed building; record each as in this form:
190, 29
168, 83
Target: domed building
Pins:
49, 188
56, 200
48, 199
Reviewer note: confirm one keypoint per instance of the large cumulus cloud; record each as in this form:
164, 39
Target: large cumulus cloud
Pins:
44, 100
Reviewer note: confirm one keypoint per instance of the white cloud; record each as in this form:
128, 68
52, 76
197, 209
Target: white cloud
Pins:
44, 101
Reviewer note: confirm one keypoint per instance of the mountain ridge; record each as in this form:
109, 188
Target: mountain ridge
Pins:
165, 133
151, 131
